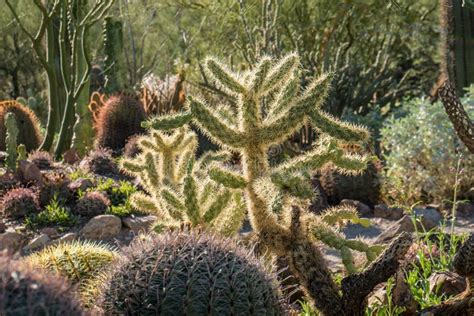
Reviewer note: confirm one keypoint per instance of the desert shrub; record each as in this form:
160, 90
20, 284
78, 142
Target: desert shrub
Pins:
189, 273
424, 157
55, 213
25, 291
17, 203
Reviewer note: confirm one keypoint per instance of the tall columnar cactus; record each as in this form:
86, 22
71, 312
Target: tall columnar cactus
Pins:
10, 140
178, 188
275, 196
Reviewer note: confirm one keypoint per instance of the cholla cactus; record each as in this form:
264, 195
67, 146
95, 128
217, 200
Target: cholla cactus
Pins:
273, 193
10, 140
178, 189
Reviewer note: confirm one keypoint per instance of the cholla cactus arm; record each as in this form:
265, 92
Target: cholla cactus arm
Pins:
176, 208
284, 99
227, 178
336, 215
168, 122
217, 206
11, 140
146, 203
191, 198
294, 185
224, 77
212, 156
214, 127
231, 220
329, 125
260, 74
280, 73
152, 175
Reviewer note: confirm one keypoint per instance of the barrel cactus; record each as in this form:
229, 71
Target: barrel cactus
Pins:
19, 202
99, 161
189, 273
81, 262
119, 119
25, 291
92, 204
27, 123
42, 159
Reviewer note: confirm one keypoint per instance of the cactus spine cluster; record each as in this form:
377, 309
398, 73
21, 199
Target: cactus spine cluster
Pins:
178, 188
250, 129
189, 273
10, 140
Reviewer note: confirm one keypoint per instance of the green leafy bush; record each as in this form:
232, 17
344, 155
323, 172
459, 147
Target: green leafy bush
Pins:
54, 214
119, 194
424, 157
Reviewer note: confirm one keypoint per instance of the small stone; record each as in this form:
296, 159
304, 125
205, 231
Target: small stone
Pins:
38, 242
383, 211
51, 232
362, 209
30, 172
139, 223
102, 227
430, 217
80, 184
64, 239
447, 283
12, 241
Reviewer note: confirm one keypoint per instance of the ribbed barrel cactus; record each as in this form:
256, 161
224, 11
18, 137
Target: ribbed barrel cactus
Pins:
179, 189
189, 273
276, 196
25, 291
11, 140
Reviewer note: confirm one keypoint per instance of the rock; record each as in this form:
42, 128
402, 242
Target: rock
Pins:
71, 156
139, 223
80, 184
465, 208
3, 227
383, 211
362, 209
64, 239
102, 227
378, 296
447, 283
29, 172
429, 219
12, 241
401, 294
38, 242
51, 232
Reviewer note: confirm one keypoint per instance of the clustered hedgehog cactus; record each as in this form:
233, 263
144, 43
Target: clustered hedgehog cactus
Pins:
27, 291
99, 161
189, 273
17, 203
178, 188
92, 204
275, 196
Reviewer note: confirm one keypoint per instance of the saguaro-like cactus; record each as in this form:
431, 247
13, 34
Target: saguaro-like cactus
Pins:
178, 188
10, 140
272, 193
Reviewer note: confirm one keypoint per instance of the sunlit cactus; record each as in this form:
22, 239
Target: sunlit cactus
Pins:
178, 188
273, 193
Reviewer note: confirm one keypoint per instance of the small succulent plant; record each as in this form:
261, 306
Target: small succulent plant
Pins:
92, 204
25, 291
19, 202
42, 159
99, 161
189, 273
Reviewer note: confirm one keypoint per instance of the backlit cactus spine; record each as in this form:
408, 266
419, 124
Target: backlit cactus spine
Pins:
178, 187
10, 140
250, 130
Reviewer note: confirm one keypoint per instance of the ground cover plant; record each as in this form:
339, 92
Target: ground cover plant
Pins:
258, 157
